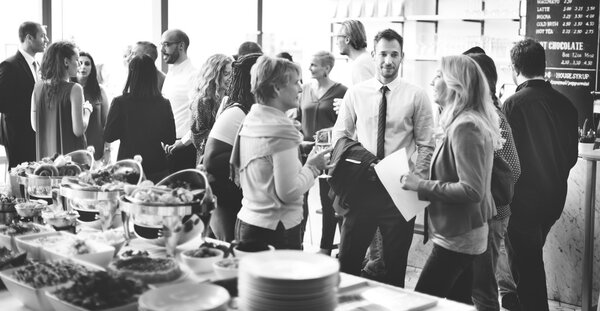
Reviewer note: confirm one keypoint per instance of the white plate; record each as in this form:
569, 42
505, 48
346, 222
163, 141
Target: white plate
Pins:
289, 265
185, 297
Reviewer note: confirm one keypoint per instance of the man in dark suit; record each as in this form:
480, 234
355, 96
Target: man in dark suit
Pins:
18, 74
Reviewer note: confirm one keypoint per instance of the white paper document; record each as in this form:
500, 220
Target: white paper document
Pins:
389, 170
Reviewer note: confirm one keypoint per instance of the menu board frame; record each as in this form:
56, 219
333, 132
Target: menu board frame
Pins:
568, 30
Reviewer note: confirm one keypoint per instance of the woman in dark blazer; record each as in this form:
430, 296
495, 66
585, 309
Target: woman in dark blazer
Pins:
460, 180
142, 119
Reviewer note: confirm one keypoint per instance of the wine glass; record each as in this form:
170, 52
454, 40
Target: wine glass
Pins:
322, 142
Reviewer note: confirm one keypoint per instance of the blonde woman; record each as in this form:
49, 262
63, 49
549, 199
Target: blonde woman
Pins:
460, 180
213, 80
265, 159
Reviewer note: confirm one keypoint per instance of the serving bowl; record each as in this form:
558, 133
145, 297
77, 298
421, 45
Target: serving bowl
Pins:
226, 268
200, 260
41, 187
171, 224
60, 218
98, 205
30, 208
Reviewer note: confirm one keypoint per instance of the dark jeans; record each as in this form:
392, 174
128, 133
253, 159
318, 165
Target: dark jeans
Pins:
376, 209
183, 158
330, 221
485, 286
447, 274
280, 238
222, 222
527, 239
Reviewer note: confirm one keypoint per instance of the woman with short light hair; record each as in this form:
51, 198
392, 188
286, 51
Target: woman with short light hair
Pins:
316, 113
265, 159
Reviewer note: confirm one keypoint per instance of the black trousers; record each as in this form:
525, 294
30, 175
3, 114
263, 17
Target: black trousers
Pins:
375, 209
525, 254
181, 159
447, 274
330, 221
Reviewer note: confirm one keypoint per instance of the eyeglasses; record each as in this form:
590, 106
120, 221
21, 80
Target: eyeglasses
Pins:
167, 44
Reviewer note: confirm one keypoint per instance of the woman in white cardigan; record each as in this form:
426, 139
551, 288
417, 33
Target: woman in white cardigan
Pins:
265, 159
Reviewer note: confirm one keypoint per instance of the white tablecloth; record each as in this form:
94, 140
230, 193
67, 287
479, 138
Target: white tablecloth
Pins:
10, 303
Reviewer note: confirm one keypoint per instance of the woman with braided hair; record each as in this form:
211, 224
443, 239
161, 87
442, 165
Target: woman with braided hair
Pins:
220, 144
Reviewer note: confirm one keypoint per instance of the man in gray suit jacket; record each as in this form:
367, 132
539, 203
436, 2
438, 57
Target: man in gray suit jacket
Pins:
18, 74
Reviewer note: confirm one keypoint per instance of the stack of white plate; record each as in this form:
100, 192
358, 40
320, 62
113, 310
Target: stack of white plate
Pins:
287, 281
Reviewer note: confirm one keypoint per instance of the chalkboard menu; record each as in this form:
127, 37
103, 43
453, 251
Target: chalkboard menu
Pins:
568, 31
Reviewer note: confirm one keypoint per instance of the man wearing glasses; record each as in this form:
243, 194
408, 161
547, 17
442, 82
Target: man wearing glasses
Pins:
178, 87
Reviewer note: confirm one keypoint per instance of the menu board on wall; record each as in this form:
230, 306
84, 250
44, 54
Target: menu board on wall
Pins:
568, 31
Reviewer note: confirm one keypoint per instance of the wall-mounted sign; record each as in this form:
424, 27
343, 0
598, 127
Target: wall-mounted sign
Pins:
568, 31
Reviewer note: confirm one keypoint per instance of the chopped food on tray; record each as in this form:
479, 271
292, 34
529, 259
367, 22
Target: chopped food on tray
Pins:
48, 273
99, 290
20, 228
146, 269
202, 252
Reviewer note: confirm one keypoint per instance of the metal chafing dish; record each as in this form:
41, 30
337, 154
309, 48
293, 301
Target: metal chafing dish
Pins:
35, 186
170, 225
97, 208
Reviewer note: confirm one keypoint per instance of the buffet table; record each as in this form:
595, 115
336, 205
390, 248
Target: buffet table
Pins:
349, 284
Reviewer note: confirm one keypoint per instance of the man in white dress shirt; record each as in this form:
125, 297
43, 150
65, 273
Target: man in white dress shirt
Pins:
406, 122
178, 88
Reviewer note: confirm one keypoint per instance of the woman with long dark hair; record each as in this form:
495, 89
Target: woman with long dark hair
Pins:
142, 119
95, 94
58, 113
213, 80
220, 143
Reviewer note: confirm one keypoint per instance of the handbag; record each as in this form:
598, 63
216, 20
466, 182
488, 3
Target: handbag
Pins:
502, 182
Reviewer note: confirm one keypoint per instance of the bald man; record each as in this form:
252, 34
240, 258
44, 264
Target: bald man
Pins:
178, 89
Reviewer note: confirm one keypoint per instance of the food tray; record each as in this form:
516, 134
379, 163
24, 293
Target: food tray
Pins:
36, 251
33, 298
88, 194
156, 209
9, 240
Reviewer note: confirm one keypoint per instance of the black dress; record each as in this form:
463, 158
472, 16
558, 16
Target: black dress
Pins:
142, 124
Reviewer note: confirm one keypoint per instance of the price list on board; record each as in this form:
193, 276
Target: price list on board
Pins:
568, 31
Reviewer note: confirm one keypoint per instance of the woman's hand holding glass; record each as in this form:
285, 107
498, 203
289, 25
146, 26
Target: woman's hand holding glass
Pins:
320, 159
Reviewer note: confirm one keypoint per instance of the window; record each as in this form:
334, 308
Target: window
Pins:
13, 14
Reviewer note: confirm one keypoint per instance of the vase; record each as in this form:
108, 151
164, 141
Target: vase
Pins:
586, 147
